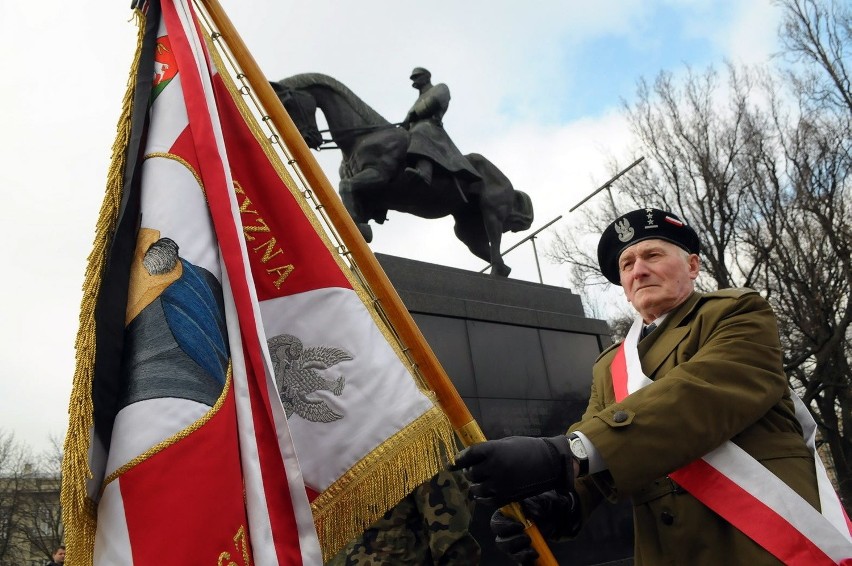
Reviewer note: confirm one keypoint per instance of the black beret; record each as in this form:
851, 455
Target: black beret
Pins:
642, 224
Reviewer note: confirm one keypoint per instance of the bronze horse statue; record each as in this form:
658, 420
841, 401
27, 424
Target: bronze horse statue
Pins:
371, 173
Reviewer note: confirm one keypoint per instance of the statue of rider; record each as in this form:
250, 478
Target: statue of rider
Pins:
430, 143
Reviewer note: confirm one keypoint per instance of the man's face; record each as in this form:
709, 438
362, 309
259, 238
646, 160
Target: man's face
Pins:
656, 276
59, 556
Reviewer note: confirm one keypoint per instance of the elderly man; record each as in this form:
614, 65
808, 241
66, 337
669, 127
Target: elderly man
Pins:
691, 417
430, 144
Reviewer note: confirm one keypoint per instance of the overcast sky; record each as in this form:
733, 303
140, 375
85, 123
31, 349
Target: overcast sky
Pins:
536, 87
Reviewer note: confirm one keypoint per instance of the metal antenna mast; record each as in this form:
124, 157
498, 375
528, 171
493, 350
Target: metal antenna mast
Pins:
607, 186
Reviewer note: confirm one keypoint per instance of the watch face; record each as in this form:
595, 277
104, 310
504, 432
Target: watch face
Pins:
578, 449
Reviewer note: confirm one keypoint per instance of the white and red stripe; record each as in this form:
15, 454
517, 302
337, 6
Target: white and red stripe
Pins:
737, 487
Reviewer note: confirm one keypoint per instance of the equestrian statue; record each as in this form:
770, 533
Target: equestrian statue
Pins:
414, 168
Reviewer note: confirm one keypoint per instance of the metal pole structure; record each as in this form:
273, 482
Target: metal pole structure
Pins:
607, 186
424, 358
537, 265
530, 237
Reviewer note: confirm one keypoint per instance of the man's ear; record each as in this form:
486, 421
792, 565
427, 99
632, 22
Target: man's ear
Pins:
694, 265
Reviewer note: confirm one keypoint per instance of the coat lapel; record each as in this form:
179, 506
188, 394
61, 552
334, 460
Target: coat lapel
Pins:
659, 345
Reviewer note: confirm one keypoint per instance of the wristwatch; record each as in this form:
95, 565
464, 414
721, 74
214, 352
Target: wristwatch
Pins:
578, 451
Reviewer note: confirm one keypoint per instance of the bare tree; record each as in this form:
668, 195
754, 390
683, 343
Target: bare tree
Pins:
30, 512
804, 248
813, 298
13, 463
40, 514
817, 34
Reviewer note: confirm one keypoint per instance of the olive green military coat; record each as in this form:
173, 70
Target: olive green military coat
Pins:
715, 363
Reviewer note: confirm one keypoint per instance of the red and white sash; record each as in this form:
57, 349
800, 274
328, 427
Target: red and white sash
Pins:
746, 494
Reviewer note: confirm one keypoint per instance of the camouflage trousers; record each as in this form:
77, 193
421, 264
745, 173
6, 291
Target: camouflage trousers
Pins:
429, 526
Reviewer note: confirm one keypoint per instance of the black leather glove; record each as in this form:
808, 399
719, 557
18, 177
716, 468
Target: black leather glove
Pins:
510, 538
516, 467
556, 515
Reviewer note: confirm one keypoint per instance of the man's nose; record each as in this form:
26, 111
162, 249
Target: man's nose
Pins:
640, 268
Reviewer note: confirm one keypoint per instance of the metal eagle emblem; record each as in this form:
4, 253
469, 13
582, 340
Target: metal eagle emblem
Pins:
297, 376
624, 230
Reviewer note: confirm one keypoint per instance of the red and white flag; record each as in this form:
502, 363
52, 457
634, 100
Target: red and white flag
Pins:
242, 393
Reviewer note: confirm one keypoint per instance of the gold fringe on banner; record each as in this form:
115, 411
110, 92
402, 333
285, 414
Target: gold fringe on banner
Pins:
79, 513
381, 479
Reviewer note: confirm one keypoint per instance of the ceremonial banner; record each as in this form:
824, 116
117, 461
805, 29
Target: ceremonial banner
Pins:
221, 336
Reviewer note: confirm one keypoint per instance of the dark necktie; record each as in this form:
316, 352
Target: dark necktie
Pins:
647, 330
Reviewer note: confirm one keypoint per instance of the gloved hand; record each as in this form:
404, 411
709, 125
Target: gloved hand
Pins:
556, 516
516, 467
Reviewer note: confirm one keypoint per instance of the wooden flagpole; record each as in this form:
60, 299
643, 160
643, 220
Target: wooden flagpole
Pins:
400, 319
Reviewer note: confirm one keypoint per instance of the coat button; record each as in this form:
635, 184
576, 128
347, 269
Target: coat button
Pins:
667, 518
619, 416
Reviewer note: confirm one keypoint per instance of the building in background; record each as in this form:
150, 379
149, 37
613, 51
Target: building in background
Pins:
30, 517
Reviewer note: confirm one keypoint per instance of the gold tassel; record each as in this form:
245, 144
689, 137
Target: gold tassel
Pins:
381, 479
79, 513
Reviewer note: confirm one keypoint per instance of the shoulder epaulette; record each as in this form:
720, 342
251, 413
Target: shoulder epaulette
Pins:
606, 350
730, 293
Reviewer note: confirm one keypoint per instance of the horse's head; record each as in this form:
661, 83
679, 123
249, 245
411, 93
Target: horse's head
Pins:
302, 108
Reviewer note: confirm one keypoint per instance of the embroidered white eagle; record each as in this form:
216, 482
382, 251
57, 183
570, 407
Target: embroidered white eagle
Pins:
297, 376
